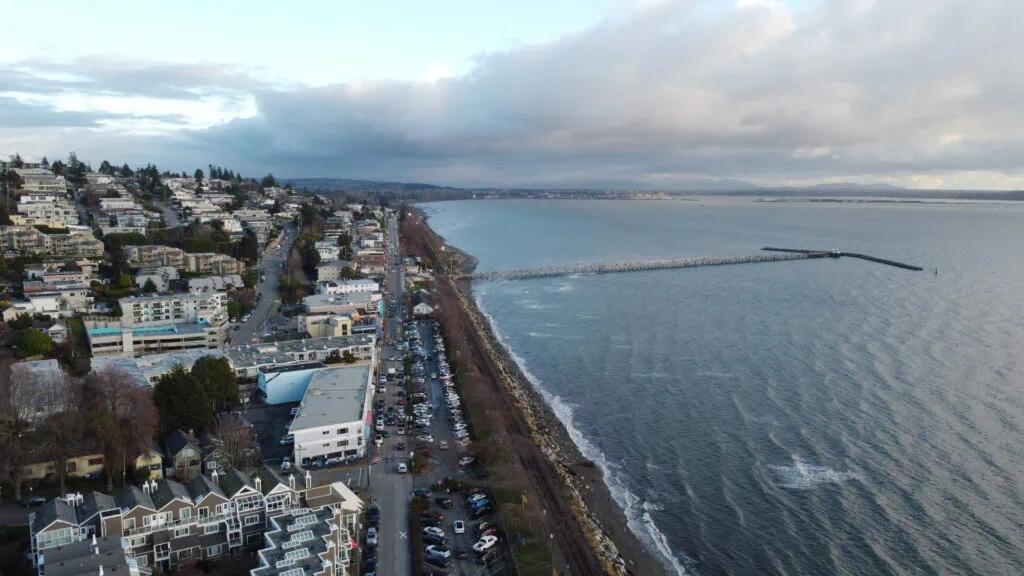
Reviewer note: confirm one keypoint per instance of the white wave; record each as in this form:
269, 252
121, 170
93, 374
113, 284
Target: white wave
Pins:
540, 335
583, 316
534, 305
651, 466
714, 374
637, 514
622, 346
649, 375
801, 476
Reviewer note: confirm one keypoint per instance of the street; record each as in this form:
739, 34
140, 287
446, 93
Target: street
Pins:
391, 490
266, 307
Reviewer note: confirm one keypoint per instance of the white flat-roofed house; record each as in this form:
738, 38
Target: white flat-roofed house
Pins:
328, 250
347, 286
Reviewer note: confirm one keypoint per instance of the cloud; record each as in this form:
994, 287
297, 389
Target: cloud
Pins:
901, 91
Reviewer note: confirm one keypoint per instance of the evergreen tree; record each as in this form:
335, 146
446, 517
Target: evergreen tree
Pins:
182, 401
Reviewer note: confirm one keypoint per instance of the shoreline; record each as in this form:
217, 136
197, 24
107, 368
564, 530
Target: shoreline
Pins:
584, 485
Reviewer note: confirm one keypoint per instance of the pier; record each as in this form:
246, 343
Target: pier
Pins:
775, 255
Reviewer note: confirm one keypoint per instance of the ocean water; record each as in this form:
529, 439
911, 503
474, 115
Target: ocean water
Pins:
809, 417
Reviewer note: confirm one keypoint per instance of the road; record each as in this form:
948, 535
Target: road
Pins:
171, 218
265, 309
392, 492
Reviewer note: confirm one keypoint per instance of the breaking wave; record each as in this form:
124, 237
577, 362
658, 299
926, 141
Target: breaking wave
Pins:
801, 476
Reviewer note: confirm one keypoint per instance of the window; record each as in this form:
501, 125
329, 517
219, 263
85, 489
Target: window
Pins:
253, 538
211, 529
342, 430
204, 512
193, 462
219, 509
140, 541
327, 444
326, 432
147, 520
214, 550
142, 560
252, 520
72, 466
250, 502
129, 523
184, 554
154, 467
185, 513
342, 442
95, 461
211, 465
54, 538
180, 532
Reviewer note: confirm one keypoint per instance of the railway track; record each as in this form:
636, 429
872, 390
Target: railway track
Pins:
567, 534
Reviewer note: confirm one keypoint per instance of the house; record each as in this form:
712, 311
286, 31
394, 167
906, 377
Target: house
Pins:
306, 541
58, 332
150, 464
182, 456
421, 305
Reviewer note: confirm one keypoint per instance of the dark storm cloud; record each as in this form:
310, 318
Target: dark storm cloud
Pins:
17, 114
853, 88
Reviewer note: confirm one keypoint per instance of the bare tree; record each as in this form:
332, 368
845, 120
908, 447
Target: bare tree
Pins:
16, 410
61, 433
234, 438
122, 417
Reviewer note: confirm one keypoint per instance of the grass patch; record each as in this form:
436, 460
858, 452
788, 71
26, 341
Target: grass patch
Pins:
521, 525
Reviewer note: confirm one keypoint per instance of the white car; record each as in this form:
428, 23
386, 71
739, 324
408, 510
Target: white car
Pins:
286, 463
434, 531
485, 543
378, 440
465, 461
440, 551
443, 445
426, 438
402, 468
400, 431
459, 527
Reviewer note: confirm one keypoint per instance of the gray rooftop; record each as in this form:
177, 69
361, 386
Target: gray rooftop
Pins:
169, 490
334, 395
140, 369
280, 352
299, 530
350, 299
81, 559
52, 511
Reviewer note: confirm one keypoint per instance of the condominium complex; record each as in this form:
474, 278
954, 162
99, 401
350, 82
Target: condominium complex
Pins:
347, 286
161, 323
26, 240
203, 263
41, 180
307, 542
163, 309
169, 525
47, 209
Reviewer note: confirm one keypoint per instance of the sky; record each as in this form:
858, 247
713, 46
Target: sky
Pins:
649, 94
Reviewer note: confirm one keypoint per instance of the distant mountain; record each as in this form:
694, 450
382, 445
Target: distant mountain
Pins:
847, 186
350, 184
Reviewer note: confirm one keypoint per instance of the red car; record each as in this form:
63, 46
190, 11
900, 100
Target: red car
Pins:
401, 402
426, 453
432, 514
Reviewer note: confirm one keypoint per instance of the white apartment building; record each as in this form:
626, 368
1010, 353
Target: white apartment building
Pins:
55, 209
332, 416
108, 204
207, 308
160, 275
347, 286
41, 180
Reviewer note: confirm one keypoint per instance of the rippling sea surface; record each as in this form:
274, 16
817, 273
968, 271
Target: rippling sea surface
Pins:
809, 417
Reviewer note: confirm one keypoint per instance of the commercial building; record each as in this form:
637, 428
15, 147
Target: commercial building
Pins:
324, 325
147, 370
358, 303
26, 240
333, 270
170, 525
88, 465
247, 360
333, 417
347, 286
161, 276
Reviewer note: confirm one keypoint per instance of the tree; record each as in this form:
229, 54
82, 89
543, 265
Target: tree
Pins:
347, 357
45, 163
61, 433
14, 180
268, 181
199, 176
122, 417
182, 401
126, 171
21, 322
219, 378
16, 161
234, 440
32, 342
17, 406
58, 167
149, 287
249, 246
106, 168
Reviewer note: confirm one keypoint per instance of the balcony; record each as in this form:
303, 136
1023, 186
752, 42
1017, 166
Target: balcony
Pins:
159, 525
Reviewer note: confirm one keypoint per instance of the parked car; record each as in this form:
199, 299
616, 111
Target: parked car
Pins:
430, 522
480, 513
444, 502
287, 439
432, 514
32, 502
436, 561
485, 543
286, 463
432, 539
466, 461
439, 550
371, 537
425, 492
459, 527
435, 531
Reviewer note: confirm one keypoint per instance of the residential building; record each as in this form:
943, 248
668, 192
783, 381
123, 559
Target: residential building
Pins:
163, 309
328, 250
59, 302
86, 465
212, 263
106, 556
347, 286
26, 240
41, 181
371, 262
155, 255
46, 380
207, 284
333, 270
116, 338
421, 304
182, 456
57, 209
307, 542
161, 276
334, 414
150, 464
